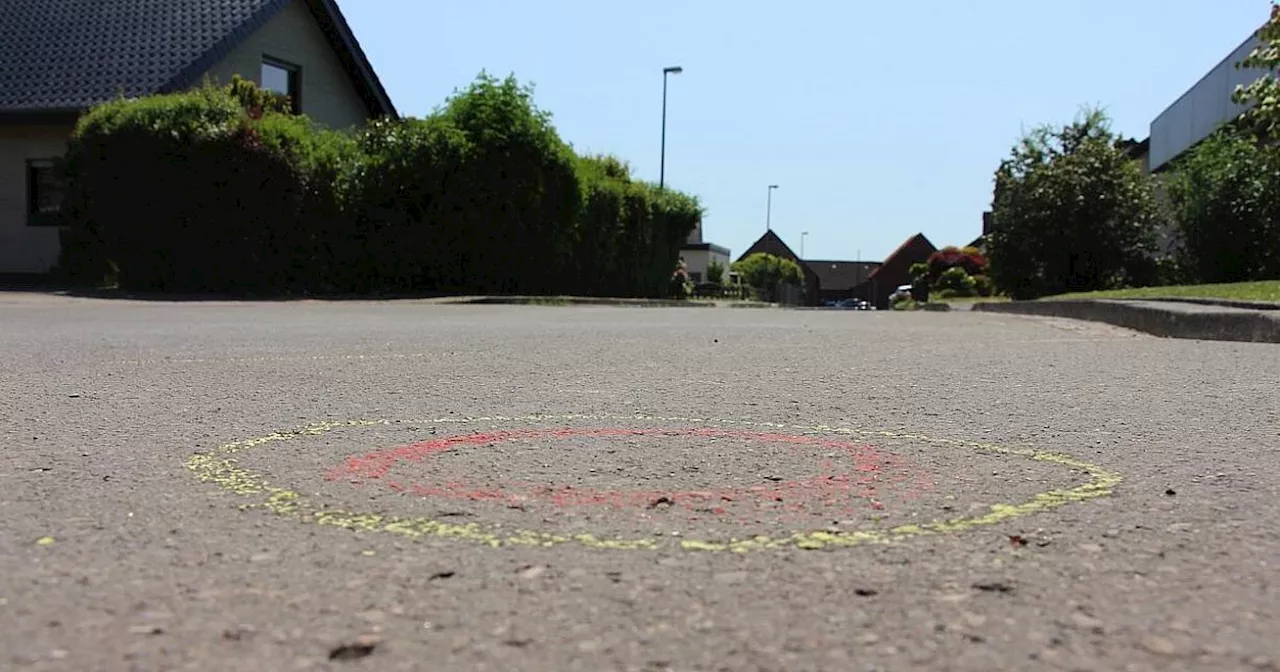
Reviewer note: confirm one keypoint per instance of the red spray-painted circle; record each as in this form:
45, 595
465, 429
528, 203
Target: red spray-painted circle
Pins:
865, 472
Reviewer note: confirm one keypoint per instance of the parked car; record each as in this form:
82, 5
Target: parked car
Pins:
853, 304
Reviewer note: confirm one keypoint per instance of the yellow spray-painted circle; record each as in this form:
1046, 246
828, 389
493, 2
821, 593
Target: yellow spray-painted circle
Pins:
221, 467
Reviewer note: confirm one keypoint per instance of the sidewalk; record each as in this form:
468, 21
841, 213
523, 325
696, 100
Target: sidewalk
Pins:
1195, 319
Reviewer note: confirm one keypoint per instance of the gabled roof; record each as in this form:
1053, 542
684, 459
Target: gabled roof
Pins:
771, 243
68, 55
916, 247
842, 275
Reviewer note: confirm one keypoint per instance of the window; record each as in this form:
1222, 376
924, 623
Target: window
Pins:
44, 193
695, 276
284, 79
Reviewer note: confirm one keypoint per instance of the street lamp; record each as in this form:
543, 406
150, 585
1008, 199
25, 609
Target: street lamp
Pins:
802, 236
768, 212
662, 169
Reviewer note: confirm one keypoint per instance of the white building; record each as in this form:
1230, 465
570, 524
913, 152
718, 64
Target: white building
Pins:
1202, 109
698, 256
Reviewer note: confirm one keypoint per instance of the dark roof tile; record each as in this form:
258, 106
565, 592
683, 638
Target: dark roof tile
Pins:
70, 54
73, 54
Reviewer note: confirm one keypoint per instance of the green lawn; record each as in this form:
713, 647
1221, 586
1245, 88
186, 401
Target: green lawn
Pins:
1268, 290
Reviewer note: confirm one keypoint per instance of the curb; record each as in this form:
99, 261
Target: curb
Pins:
1226, 303
1164, 319
571, 301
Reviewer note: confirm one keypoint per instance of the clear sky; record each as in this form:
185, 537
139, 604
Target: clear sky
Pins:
876, 119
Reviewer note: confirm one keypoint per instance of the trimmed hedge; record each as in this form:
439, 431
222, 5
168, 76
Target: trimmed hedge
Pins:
217, 190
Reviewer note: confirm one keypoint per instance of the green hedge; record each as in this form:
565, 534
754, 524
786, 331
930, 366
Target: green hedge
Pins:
215, 190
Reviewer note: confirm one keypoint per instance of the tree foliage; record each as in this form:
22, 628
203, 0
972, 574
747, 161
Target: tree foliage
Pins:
1071, 212
715, 272
221, 189
1222, 196
1263, 94
765, 272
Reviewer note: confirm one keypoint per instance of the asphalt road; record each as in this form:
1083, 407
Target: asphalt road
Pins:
590, 488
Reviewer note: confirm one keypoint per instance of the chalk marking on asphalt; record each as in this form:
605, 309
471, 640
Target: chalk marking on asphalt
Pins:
278, 358
221, 468
870, 472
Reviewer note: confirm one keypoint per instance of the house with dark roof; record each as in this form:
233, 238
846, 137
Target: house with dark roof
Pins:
59, 58
896, 269
835, 280
772, 244
840, 280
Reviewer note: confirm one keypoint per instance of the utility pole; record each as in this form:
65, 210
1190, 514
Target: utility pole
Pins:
662, 167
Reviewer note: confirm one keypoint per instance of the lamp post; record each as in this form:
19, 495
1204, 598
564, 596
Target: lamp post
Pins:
768, 211
662, 168
802, 237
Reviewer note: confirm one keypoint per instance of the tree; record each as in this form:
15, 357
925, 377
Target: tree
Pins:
715, 272
1264, 92
1222, 200
765, 272
1072, 212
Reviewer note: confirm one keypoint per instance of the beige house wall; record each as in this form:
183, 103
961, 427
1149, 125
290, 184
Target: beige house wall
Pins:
328, 95
327, 92
23, 248
697, 261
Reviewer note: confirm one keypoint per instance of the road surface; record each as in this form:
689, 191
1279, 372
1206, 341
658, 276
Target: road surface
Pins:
405, 486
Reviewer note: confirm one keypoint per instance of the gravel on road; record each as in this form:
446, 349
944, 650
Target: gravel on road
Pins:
402, 486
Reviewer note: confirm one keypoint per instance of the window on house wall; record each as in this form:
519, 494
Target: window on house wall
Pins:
284, 79
695, 276
44, 193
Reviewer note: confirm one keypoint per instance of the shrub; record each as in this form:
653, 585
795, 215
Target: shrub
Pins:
219, 189
408, 234
955, 282
628, 234
764, 272
1071, 212
515, 195
1222, 199
969, 259
182, 192
715, 273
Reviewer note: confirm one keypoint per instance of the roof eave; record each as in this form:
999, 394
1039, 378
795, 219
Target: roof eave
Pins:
341, 39
39, 117
351, 48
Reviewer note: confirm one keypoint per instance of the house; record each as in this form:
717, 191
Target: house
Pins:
772, 244
699, 255
839, 280
896, 269
59, 58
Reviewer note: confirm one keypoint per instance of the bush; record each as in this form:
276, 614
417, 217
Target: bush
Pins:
955, 282
629, 234
715, 273
764, 273
189, 192
1071, 212
968, 259
219, 189
1222, 199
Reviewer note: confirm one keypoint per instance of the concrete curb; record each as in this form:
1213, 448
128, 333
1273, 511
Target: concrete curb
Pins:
1226, 303
571, 301
1165, 319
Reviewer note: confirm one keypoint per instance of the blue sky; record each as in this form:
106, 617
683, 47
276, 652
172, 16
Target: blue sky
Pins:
876, 119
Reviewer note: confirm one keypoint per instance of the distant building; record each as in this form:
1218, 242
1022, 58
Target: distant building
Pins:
840, 280
699, 255
1205, 107
770, 243
873, 281
896, 269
